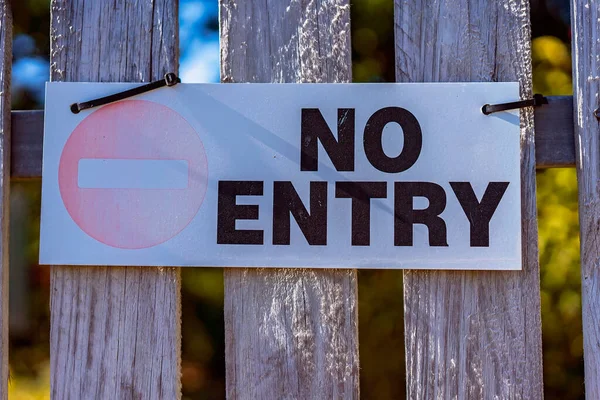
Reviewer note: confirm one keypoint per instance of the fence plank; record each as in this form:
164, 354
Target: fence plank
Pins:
289, 333
115, 332
473, 335
5, 72
585, 17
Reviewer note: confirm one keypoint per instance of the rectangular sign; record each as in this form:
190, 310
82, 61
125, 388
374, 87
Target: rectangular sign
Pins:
283, 175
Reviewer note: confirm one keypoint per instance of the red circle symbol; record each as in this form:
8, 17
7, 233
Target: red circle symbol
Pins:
137, 217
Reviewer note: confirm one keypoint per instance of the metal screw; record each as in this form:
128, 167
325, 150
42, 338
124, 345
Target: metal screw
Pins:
171, 79
597, 113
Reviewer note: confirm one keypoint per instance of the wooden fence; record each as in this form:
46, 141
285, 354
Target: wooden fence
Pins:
115, 332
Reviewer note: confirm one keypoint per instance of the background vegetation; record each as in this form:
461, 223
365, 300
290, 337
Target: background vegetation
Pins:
380, 299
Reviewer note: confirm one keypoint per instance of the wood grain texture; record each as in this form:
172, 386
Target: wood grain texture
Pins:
554, 141
115, 332
5, 75
289, 334
473, 335
585, 20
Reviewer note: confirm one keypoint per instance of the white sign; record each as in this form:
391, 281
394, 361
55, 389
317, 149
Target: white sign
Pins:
283, 175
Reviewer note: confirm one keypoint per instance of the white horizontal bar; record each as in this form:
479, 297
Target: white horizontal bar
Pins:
102, 173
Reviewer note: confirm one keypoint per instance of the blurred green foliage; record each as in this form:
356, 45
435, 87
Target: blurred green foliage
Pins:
372, 40
551, 66
203, 338
558, 223
380, 292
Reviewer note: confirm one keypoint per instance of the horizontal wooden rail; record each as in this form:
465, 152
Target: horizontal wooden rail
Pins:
26, 147
554, 141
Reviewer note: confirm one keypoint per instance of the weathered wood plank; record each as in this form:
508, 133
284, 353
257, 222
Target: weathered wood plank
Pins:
5, 75
289, 333
115, 332
473, 335
585, 17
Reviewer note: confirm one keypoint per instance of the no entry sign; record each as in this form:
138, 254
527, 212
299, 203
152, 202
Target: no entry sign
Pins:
283, 175
124, 174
